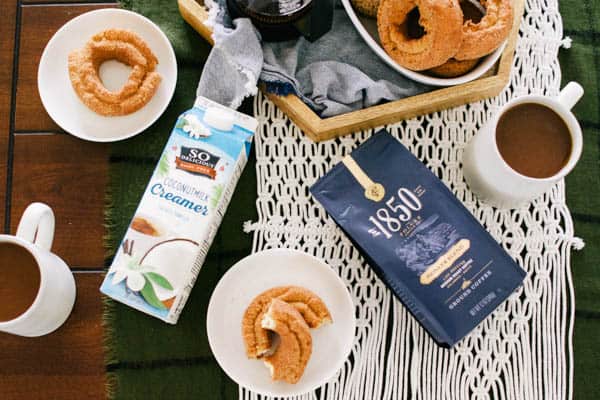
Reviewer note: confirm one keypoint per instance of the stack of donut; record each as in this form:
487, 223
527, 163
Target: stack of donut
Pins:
443, 37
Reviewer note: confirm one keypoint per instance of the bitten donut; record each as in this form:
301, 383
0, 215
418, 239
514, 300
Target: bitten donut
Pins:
256, 339
438, 41
126, 47
289, 360
453, 68
483, 37
367, 8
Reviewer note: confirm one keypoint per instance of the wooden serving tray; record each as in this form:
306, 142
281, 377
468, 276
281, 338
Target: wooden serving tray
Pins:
318, 129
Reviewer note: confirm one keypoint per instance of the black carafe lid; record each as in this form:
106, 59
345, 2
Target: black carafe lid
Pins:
285, 19
274, 11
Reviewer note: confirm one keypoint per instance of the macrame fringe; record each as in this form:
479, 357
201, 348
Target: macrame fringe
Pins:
523, 350
249, 226
577, 243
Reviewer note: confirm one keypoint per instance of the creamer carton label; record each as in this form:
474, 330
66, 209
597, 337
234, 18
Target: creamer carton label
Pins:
158, 260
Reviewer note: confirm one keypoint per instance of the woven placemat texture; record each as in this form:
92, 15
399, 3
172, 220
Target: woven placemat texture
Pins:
149, 359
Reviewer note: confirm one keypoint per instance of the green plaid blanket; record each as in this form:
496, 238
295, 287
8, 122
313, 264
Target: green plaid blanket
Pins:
581, 22
148, 359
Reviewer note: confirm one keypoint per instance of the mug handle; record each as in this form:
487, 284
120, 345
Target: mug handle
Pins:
37, 225
570, 95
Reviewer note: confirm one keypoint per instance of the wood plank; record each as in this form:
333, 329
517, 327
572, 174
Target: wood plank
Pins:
35, 2
66, 364
195, 14
318, 129
8, 10
70, 175
38, 24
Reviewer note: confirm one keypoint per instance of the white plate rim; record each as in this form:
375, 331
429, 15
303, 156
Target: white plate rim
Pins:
475, 73
240, 264
150, 120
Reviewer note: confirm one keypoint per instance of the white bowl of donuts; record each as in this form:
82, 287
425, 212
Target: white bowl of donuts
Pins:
435, 42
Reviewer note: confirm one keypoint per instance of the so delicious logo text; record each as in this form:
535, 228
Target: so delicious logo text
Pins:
197, 161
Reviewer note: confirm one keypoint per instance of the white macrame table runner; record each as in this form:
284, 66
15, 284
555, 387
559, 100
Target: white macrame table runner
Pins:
522, 351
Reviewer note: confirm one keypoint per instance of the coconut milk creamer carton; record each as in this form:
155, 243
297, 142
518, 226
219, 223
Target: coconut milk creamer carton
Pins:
159, 258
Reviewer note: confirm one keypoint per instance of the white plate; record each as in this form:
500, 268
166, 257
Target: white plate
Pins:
61, 101
367, 28
256, 273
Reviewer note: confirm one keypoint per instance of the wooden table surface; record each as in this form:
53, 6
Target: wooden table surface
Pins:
39, 162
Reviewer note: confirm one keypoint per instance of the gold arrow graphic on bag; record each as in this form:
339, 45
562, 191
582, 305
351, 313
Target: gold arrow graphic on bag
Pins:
373, 191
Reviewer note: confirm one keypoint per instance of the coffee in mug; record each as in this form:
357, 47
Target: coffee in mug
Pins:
520, 153
37, 289
533, 140
19, 281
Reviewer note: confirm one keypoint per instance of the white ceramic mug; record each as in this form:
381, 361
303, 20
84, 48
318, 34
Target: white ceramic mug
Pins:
56, 295
493, 180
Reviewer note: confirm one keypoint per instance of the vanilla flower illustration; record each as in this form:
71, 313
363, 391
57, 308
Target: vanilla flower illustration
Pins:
140, 278
194, 127
128, 268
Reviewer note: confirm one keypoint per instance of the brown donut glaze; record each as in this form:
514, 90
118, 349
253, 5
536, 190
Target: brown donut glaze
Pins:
483, 37
124, 46
453, 68
441, 22
368, 8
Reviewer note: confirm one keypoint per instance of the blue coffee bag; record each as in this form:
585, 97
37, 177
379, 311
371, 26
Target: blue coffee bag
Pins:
417, 236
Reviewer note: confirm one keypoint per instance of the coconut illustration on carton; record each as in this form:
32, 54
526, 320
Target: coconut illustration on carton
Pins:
157, 276
167, 258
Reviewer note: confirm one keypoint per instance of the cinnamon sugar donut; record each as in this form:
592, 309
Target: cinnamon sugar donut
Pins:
483, 37
367, 8
256, 339
128, 48
289, 360
438, 41
101, 51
